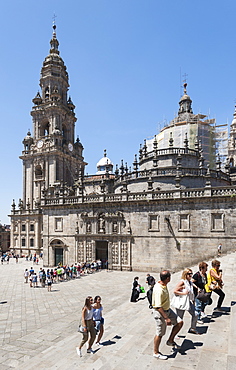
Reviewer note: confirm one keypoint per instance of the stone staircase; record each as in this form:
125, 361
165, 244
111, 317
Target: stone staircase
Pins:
130, 329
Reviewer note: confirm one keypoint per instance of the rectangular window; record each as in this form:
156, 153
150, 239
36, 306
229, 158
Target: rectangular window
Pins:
184, 222
31, 242
31, 227
23, 242
58, 224
153, 223
23, 228
217, 222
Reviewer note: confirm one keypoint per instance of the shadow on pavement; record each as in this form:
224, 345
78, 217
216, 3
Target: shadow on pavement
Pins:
187, 345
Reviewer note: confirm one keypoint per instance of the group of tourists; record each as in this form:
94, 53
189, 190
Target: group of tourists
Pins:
192, 294
92, 324
57, 274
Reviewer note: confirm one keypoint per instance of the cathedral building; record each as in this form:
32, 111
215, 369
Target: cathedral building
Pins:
170, 210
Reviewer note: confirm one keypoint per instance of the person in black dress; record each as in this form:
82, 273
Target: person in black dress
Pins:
135, 290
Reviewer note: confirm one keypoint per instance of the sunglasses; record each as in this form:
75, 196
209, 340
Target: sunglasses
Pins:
189, 273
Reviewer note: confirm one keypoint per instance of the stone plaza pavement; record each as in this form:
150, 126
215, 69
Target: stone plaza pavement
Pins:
39, 328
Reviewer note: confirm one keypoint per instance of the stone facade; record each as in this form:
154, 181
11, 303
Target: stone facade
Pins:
170, 211
4, 238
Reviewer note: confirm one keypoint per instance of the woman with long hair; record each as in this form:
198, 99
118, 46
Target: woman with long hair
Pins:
88, 326
185, 288
97, 316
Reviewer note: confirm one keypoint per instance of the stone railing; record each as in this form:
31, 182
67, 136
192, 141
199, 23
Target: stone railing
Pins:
135, 197
171, 171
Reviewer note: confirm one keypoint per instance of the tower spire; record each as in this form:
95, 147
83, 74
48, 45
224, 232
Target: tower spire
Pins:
54, 42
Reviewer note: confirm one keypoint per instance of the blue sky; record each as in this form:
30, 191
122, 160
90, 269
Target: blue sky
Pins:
125, 59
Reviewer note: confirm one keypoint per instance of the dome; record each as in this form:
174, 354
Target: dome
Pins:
105, 161
185, 97
104, 164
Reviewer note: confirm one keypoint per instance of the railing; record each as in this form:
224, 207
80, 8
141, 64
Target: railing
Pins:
135, 197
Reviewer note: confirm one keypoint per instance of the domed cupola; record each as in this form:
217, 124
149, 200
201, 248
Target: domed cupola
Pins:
185, 103
104, 165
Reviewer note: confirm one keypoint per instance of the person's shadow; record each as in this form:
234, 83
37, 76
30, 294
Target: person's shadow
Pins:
186, 346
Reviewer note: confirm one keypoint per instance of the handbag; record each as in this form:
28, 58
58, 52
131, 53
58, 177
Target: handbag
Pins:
214, 285
181, 302
142, 290
81, 329
203, 296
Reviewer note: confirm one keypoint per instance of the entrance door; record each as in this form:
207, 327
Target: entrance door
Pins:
58, 256
102, 251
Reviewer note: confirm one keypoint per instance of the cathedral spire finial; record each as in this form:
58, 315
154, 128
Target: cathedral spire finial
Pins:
54, 26
185, 88
54, 42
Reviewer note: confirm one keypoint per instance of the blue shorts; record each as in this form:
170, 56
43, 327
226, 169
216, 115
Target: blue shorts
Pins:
99, 323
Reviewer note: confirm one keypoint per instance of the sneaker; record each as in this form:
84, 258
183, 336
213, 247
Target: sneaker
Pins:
203, 315
90, 350
193, 331
79, 353
160, 356
200, 322
173, 344
98, 344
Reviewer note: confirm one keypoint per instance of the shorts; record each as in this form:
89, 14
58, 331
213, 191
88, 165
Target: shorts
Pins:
98, 324
161, 323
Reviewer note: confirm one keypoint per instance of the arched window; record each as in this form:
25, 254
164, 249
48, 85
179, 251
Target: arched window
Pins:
47, 93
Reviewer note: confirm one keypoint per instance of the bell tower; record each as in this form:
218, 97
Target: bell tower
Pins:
51, 155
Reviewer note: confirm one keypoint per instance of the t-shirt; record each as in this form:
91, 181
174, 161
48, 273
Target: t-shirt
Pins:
200, 281
160, 297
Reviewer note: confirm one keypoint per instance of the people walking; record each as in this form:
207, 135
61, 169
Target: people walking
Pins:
199, 280
184, 299
215, 283
26, 275
99, 320
163, 315
219, 250
88, 326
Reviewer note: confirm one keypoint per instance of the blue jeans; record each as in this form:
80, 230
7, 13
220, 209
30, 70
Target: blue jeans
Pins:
199, 307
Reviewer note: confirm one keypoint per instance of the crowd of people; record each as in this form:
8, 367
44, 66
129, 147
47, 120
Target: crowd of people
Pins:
46, 277
191, 294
